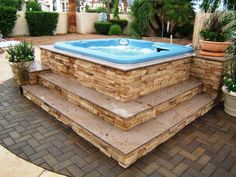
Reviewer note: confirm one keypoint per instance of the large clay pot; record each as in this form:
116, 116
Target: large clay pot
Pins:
229, 102
215, 49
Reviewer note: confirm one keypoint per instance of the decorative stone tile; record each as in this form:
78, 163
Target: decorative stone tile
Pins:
122, 115
125, 147
210, 72
122, 85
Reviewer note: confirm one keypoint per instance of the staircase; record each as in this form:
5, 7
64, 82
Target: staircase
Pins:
123, 131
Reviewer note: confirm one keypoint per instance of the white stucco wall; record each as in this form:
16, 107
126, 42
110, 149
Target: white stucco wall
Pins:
85, 21
21, 27
125, 16
62, 25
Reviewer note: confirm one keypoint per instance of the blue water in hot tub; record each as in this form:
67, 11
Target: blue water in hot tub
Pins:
122, 50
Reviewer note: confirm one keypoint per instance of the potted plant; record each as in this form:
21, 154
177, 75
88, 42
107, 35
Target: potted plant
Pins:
229, 87
216, 34
21, 56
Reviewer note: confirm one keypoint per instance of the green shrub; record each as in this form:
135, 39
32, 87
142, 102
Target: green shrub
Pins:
115, 30
102, 27
11, 3
91, 10
97, 10
219, 27
8, 18
33, 6
230, 74
41, 23
101, 9
21, 52
86, 7
121, 22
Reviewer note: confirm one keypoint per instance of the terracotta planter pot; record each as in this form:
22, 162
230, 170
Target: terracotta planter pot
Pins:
229, 102
215, 49
211, 54
20, 71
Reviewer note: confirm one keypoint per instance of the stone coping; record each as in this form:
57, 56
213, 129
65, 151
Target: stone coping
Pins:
218, 59
37, 66
122, 67
13, 166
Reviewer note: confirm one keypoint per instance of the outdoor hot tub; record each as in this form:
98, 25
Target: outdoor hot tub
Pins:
122, 50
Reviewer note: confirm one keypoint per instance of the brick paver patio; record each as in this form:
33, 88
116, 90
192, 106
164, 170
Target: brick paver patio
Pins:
205, 148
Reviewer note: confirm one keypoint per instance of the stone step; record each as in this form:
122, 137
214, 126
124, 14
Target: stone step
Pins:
124, 146
122, 115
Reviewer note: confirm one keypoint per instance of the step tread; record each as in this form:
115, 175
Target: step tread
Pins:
124, 141
124, 110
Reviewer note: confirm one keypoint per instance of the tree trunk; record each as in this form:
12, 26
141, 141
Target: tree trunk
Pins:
156, 30
92, 3
72, 16
125, 6
108, 11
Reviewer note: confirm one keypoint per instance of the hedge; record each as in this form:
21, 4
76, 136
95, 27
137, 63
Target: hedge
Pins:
33, 6
11, 3
121, 22
41, 23
8, 18
102, 27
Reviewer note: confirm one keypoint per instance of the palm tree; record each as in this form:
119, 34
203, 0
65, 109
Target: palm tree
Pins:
176, 17
158, 14
142, 12
168, 12
72, 16
209, 5
230, 4
116, 10
108, 4
125, 6
212, 5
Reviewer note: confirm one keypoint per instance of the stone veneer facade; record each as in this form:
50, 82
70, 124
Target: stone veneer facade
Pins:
124, 159
117, 120
126, 86
130, 85
210, 71
122, 85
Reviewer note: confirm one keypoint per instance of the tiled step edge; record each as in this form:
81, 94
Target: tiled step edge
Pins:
125, 147
34, 69
122, 115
